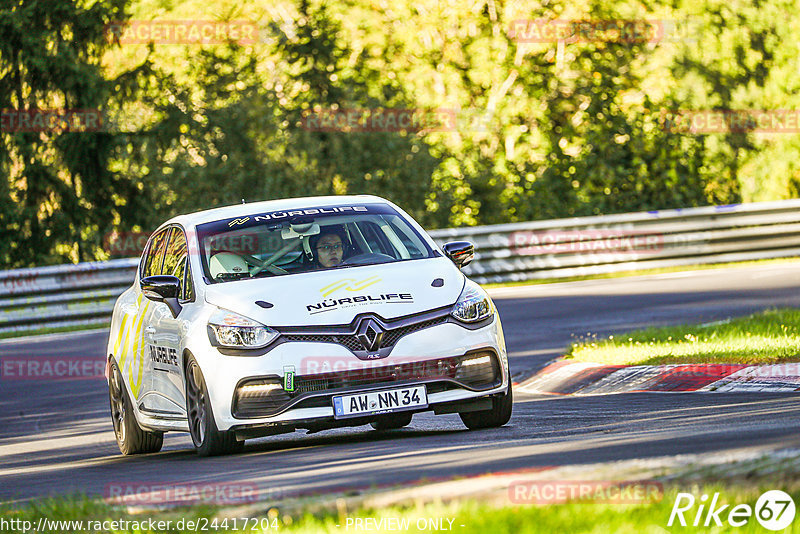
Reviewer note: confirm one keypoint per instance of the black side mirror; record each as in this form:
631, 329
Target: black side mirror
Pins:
460, 252
163, 288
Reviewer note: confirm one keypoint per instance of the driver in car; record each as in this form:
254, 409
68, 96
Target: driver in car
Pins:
329, 248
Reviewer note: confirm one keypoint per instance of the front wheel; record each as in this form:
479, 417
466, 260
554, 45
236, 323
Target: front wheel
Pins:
131, 438
497, 416
207, 439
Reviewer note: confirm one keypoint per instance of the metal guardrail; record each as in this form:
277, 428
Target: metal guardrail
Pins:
62, 295
631, 241
84, 294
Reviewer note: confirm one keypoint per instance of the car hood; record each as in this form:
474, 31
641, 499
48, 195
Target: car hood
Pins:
335, 297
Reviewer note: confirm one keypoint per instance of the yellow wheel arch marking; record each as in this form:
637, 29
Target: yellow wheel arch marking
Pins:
138, 342
122, 327
128, 331
124, 347
141, 359
346, 284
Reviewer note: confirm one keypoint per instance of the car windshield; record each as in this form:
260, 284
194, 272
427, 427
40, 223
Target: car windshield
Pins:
313, 239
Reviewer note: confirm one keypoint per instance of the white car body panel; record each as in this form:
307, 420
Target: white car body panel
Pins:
327, 287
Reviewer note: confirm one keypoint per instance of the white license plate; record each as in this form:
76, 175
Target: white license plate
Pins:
378, 402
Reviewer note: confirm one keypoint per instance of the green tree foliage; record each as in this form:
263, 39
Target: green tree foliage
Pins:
534, 129
58, 195
241, 136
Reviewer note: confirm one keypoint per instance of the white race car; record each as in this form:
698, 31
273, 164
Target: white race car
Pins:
308, 313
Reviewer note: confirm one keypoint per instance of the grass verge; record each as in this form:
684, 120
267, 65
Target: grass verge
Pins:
464, 517
772, 336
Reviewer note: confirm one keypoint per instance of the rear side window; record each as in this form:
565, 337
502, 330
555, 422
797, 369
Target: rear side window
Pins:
155, 254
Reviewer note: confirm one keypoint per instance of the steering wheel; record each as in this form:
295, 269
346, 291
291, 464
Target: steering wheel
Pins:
268, 263
367, 258
260, 266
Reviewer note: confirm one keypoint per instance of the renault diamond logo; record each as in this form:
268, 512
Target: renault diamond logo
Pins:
370, 334
238, 221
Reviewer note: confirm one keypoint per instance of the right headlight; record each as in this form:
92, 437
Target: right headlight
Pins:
232, 330
473, 304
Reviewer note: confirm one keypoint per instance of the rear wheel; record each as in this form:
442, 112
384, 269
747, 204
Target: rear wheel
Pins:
497, 416
131, 438
392, 421
207, 439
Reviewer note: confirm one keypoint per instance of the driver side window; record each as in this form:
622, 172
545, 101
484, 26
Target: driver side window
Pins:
155, 254
176, 263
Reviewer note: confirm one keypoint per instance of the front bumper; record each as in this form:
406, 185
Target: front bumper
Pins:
314, 419
322, 370
266, 396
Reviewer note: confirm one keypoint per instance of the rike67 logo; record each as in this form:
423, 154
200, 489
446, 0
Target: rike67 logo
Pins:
774, 510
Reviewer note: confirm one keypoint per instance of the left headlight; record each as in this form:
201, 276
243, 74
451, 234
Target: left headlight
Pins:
236, 331
473, 304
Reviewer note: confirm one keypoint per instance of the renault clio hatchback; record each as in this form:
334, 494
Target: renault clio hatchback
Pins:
308, 313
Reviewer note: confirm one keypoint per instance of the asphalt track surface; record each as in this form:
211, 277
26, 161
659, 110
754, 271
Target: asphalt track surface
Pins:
56, 436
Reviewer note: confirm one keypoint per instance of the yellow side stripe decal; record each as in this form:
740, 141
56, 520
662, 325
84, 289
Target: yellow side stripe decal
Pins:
141, 364
132, 326
121, 331
137, 339
125, 343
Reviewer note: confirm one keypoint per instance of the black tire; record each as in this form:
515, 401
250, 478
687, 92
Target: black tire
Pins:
131, 438
496, 417
392, 421
207, 439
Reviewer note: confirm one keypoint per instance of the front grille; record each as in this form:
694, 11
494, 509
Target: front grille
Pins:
443, 368
314, 391
311, 384
346, 340
351, 342
392, 336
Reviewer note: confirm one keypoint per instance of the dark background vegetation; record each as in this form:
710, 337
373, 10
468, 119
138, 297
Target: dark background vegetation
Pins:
544, 131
